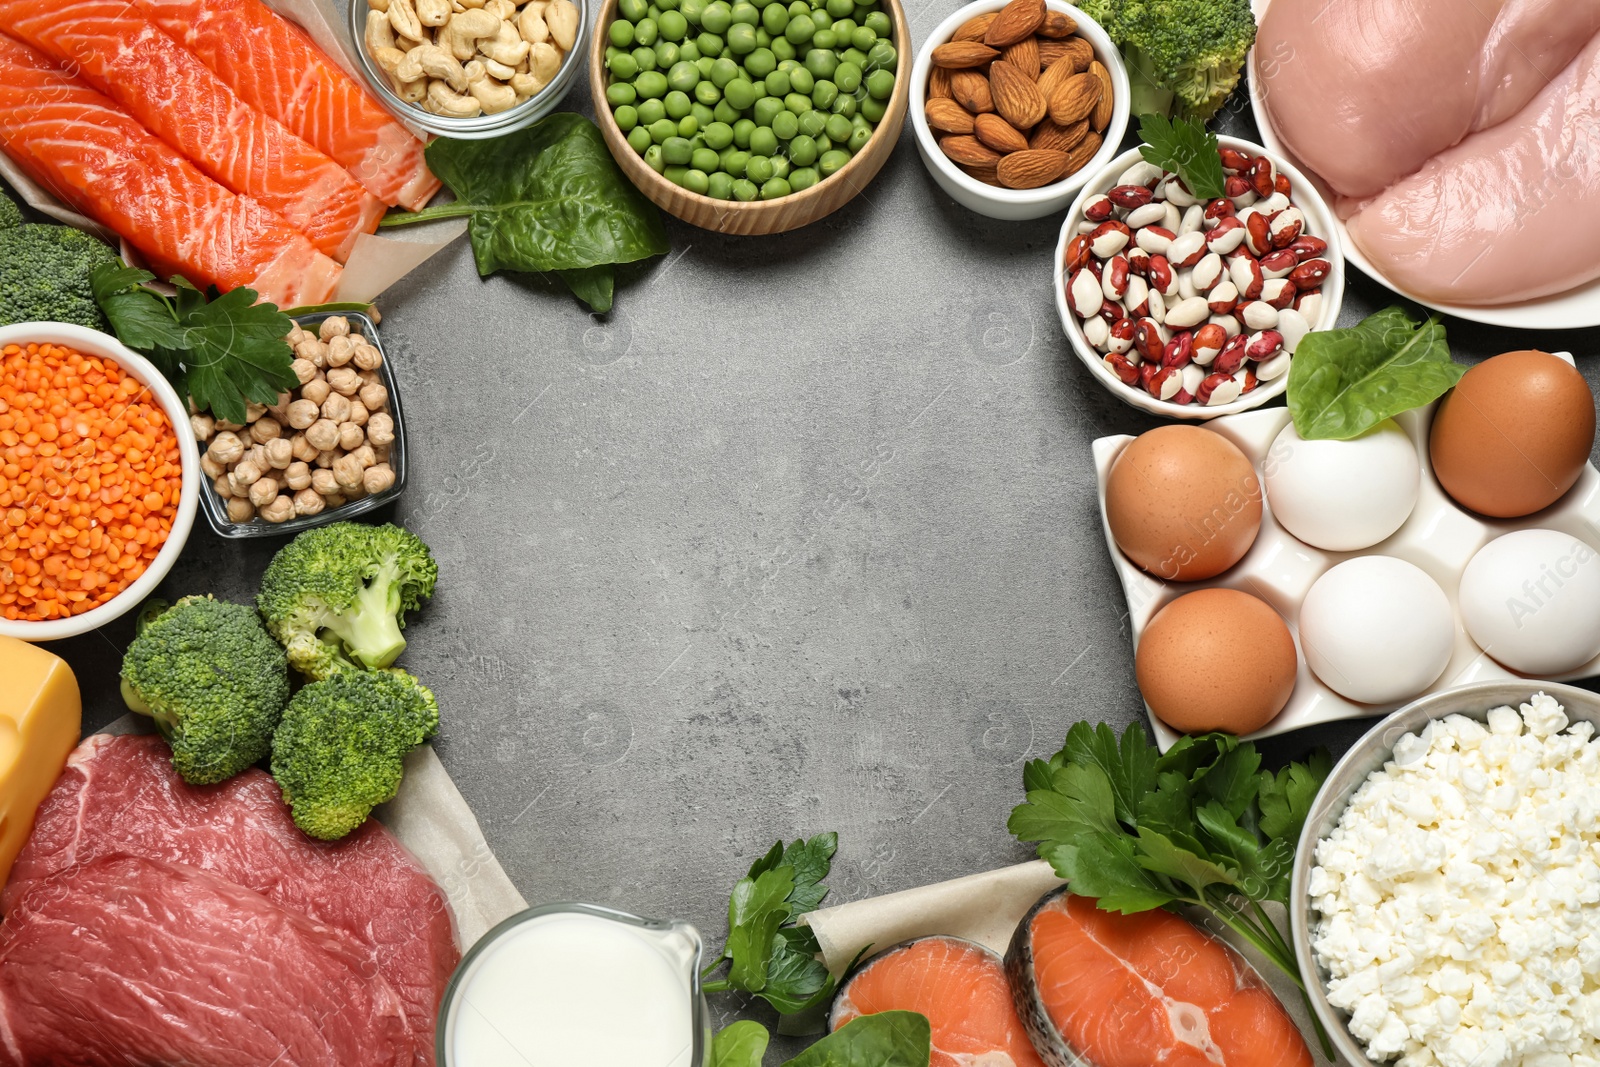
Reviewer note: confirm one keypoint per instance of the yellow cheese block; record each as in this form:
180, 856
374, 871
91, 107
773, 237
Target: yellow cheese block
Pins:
41, 715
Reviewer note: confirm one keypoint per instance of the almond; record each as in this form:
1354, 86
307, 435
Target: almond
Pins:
999, 134
959, 55
938, 84
971, 90
984, 174
1054, 74
1081, 51
1079, 157
1057, 25
974, 28
1031, 168
1074, 99
1024, 55
1017, 20
1100, 117
969, 152
947, 116
1017, 98
1062, 138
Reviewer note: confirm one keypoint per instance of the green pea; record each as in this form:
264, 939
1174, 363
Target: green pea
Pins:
645, 33
821, 63
689, 50
623, 67
803, 151
683, 76
688, 126
773, 189
740, 93
824, 145
651, 85
745, 191
873, 109
665, 5
845, 105
800, 30
825, 40
802, 178
786, 65
780, 166
633, 10
858, 139
774, 19
741, 38
841, 8
742, 131
880, 23
639, 139
704, 159
786, 125
861, 12
855, 57
802, 81
761, 62
734, 162
724, 112
842, 29
627, 117
863, 38
847, 76
722, 71
619, 93
707, 94
880, 86
666, 54
676, 151
675, 175
782, 48
764, 141
651, 111
821, 19
704, 65
653, 160
621, 33
812, 123
882, 57
645, 58
652, 12
708, 44
719, 135
678, 104
673, 25
718, 16
720, 187
824, 94
702, 115
796, 104
766, 110
661, 129
838, 127
693, 10
763, 38
759, 169
832, 162
697, 181
778, 82
798, 8
745, 14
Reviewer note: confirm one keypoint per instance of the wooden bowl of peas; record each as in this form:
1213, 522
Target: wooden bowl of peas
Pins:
751, 116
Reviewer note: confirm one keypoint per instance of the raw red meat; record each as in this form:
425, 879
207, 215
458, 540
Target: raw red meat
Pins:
126, 962
120, 795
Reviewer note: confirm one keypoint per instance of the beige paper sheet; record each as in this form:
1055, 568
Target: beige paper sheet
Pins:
986, 908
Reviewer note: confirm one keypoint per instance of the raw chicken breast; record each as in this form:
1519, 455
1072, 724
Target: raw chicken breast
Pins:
1364, 92
1509, 214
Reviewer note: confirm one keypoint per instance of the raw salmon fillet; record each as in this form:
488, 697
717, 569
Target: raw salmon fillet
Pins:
959, 985
1118, 990
96, 157
279, 71
113, 48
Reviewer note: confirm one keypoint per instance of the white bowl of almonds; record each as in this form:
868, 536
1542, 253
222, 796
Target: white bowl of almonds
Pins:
330, 449
1015, 103
1187, 306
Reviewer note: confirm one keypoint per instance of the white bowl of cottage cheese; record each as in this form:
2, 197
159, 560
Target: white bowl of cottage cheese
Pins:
1446, 891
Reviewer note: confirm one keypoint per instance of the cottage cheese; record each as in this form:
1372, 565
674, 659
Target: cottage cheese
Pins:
1458, 899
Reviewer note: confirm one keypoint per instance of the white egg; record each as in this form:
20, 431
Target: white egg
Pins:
1342, 495
1531, 599
1376, 629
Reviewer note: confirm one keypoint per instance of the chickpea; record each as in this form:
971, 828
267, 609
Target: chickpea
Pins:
377, 479
336, 408
355, 492
302, 449
365, 454
358, 413
325, 458
257, 454
323, 482
298, 335
280, 410
240, 510
344, 380
381, 453
334, 326
367, 356
253, 411
304, 369
233, 427
347, 472
226, 448
263, 491
380, 429
313, 352
203, 426
243, 476
375, 396
302, 413
341, 350
280, 453
265, 429
334, 500
278, 509
316, 391
210, 467
322, 434
374, 314
350, 436
369, 376
297, 475
308, 502
223, 486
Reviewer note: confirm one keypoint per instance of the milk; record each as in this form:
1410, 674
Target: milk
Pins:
576, 986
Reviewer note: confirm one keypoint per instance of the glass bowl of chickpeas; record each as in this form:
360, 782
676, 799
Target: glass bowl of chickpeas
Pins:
331, 449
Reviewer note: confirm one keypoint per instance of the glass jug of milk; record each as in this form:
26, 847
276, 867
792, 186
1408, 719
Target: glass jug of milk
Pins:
570, 984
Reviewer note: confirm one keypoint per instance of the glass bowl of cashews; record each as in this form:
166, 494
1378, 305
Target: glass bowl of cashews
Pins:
469, 68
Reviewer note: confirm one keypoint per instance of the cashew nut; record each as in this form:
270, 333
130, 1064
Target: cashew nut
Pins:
532, 26
504, 10
495, 70
562, 18
495, 97
460, 35
525, 85
376, 5
412, 92
434, 62
380, 32
544, 62
442, 100
433, 12
506, 47
403, 17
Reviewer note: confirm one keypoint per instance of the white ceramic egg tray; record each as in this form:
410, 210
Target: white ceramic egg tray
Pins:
1439, 537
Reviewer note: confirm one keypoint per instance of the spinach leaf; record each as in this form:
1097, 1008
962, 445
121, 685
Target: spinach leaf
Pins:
755, 911
547, 198
887, 1039
1342, 383
740, 1044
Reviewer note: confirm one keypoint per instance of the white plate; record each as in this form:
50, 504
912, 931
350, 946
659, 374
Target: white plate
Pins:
1570, 310
1439, 537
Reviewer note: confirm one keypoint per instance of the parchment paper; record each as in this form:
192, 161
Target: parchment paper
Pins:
986, 908
375, 263
432, 820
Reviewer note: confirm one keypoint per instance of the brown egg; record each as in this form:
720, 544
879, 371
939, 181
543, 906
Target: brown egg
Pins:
1216, 659
1514, 434
1183, 503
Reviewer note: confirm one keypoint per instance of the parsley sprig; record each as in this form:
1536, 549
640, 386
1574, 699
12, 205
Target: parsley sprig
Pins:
1200, 825
1185, 148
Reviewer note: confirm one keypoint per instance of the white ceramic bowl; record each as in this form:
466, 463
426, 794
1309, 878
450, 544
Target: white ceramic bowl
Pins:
93, 342
1320, 222
992, 200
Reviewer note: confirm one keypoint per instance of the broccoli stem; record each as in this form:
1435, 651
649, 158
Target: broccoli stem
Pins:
371, 630
1146, 96
137, 705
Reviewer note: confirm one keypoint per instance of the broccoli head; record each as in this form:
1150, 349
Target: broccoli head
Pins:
1184, 56
214, 681
10, 213
44, 275
336, 596
341, 747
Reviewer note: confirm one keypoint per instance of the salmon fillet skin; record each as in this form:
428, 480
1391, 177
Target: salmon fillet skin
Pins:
277, 69
110, 46
87, 151
120, 795
126, 962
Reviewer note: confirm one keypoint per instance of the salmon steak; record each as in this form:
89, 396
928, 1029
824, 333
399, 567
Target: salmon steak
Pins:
90, 153
110, 46
960, 987
272, 65
1148, 990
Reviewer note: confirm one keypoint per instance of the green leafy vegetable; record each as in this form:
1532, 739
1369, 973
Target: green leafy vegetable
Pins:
887, 1039
1200, 825
1187, 149
548, 198
740, 1044
222, 351
1183, 56
1342, 383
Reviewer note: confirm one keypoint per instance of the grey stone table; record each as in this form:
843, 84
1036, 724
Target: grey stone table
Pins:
801, 537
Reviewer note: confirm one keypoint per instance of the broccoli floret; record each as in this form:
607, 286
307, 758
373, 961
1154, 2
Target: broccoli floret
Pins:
1183, 56
44, 275
214, 681
336, 596
10, 213
341, 747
